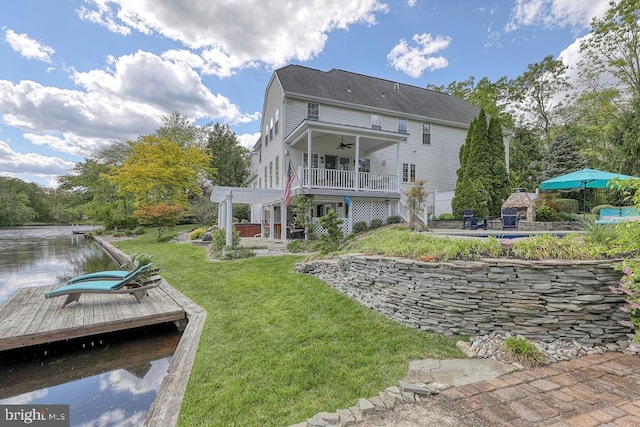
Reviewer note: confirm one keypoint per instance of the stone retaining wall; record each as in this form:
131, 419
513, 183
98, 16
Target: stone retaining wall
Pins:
542, 300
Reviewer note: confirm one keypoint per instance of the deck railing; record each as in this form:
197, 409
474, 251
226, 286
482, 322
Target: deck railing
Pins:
346, 180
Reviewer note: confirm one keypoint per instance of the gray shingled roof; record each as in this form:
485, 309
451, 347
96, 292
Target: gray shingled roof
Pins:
367, 91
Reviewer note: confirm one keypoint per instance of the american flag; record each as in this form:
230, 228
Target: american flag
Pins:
287, 189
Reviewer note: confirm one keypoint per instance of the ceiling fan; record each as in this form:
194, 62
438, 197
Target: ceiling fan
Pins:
344, 145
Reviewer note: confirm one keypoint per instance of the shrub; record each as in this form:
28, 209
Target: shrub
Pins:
545, 213
360, 226
376, 223
139, 230
333, 239
523, 352
596, 209
569, 206
219, 239
394, 219
547, 246
236, 252
445, 217
599, 234
197, 233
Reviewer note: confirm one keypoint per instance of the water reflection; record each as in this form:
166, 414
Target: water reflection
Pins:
38, 256
83, 374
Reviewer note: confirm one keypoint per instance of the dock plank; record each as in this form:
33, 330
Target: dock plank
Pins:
28, 318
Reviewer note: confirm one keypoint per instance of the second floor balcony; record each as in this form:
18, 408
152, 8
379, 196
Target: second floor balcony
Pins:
345, 180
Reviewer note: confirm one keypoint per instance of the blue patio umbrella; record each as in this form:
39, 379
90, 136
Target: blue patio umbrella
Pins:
582, 179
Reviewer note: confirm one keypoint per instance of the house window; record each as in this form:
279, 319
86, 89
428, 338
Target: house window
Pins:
277, 120
365, 165
375, 122
408, 172
426, 133
402, 125
260, 155
277, 171
266, 135
271, 129
314, 160
265, 177
271, 174
313, 111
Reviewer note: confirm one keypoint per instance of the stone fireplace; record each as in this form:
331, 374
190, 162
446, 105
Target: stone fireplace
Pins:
521, 201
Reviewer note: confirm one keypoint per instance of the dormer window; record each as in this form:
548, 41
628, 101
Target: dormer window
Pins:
376, 123
402, 125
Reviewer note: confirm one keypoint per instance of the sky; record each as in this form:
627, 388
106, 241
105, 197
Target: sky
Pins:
76, 75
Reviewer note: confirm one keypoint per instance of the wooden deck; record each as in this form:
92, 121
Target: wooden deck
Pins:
28, 318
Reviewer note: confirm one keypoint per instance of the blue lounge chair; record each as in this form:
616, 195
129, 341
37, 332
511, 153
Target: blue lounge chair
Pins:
129, 285
114, 274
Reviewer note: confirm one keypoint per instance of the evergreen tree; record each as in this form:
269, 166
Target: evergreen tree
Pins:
563, 157
525, 159
470, 194
499, 188
477, 162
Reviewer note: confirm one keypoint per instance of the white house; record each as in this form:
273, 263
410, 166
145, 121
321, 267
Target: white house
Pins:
355, 142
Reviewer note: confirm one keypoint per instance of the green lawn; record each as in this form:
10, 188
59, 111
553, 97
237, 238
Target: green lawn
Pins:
279, 347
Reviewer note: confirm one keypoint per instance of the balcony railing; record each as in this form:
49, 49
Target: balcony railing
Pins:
347, 180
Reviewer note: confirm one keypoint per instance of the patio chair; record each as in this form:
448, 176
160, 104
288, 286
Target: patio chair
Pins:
468, 216
509, 218
128, 285
115, 274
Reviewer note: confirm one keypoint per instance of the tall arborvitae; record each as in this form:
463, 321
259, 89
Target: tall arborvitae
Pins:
483, 179
499, 189
477, 162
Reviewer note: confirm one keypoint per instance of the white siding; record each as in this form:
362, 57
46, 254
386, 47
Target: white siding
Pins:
274, 147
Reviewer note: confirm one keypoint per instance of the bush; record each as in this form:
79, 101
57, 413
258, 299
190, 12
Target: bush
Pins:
569, 206
523, 352
139, 230
544, 213
445, 217
376, 223
197, 233
219, 239
360, 226
394, 219
596, 209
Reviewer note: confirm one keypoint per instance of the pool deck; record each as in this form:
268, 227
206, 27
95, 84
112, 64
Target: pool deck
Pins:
28, 318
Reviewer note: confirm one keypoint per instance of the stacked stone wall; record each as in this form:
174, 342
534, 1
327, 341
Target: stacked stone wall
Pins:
541, 300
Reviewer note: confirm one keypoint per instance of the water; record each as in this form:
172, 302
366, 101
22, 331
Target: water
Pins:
108, 380
38, 256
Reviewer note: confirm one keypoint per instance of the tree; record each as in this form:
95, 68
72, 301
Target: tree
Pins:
301, 207
415, 200
563, 157
492, 97
613, 49
499, 187
470, 194
15, 208
230, 161
525, 159
535, 94
178, 128
162, 216
162, 171
624, 149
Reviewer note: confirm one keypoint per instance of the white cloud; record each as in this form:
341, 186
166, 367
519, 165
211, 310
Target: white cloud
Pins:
414, 60
28, 47
17, 164
234, 35
26, 398
556, 13
248, 140
411, 3
121, 103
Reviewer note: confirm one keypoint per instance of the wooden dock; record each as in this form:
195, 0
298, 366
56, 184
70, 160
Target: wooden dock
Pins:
28, 318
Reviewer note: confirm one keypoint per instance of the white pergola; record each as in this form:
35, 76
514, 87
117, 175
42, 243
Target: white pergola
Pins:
226, 196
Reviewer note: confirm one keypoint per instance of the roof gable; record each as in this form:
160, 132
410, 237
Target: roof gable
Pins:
358, 89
